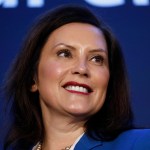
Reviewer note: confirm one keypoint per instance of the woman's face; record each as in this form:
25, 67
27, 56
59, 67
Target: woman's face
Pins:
73, 71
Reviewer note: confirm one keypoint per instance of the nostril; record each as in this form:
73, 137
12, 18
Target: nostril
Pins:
85, 75
81, 73
81, 69
76, 72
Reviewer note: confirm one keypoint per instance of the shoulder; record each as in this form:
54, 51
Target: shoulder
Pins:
137, 139
135, 134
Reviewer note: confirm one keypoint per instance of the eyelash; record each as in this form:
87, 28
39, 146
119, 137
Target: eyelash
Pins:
64, 53
98, 59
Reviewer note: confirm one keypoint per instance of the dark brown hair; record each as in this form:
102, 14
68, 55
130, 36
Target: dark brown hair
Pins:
114, 117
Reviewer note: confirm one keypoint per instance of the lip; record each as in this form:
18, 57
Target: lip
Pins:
73, 83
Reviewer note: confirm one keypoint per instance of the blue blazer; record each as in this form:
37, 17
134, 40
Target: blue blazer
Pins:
137, 139
128, 140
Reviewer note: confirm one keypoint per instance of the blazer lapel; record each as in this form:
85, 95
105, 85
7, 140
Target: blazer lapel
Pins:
87, 143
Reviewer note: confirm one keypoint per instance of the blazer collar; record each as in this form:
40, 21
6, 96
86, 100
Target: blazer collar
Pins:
87, 143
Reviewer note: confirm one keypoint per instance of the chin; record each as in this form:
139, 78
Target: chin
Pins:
82, 113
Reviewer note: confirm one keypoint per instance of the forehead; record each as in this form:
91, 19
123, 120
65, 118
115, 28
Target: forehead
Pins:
78, 33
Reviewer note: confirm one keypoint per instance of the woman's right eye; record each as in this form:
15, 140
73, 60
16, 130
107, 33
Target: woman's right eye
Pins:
64, 53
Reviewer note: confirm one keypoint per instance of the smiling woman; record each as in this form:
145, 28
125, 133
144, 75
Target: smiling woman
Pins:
69, 87
69, 65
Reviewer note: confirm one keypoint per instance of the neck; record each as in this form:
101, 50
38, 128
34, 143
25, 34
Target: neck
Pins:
60, 129
64, 135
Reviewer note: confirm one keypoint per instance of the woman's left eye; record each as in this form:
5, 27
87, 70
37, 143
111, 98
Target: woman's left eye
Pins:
98, 59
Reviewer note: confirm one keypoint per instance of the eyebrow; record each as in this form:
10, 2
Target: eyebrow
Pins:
98, 50
63, 44
91, 50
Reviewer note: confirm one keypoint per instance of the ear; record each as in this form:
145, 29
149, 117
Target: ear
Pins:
34, 88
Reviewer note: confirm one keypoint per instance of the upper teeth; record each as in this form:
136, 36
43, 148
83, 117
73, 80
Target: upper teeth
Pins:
77, 88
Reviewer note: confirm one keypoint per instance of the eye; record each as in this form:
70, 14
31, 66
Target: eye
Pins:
98, 59
64, 53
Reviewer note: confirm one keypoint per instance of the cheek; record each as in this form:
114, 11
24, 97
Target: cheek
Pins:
102, 78
49, 77
50, 70
101, 84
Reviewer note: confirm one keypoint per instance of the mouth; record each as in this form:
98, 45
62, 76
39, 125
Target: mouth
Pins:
79, 88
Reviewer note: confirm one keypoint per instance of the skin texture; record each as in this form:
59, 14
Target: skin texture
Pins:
74, 54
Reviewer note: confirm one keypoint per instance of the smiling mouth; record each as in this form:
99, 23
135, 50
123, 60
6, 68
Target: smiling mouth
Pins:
78, 88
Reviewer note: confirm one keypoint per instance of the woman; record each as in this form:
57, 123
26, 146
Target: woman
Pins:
69, 87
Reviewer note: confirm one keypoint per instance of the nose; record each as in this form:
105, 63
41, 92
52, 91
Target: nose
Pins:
81, 68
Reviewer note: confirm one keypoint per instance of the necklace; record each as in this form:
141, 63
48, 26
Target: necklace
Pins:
39, 147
